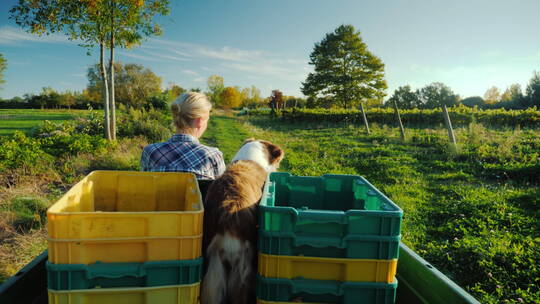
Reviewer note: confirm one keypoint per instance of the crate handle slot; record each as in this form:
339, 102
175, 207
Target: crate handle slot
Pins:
103, 270
317, 287
322, 216
319, 242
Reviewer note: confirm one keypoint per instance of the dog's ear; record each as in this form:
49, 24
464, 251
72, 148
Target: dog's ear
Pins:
276, 153
248, 140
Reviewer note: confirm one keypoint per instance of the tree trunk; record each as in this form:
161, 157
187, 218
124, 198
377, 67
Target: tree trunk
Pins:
105, 90
398, 117
111, 77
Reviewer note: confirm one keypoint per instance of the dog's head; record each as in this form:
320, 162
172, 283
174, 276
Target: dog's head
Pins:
262, 152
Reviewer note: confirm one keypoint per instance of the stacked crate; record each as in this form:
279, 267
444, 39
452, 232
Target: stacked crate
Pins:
126, 237
328, 239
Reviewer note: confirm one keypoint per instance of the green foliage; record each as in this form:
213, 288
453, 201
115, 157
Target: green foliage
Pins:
460, 116
215, 88
405, 98
468, 214
436, 95
533, 90
135, 85
22, 152
62, 139
473, 101
345, 69
151, 124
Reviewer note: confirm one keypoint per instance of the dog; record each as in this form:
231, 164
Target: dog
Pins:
230, 224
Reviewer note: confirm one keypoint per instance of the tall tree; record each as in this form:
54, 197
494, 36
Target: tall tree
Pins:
106, 23
405, 98
533, 90
276, 100
436, 95
135, 84
345, 69
3, 66
215, 87
230, 98
492, 95
67, 99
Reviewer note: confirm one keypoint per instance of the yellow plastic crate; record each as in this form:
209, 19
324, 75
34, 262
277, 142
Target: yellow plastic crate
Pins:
123, 216
180, 294
332, 269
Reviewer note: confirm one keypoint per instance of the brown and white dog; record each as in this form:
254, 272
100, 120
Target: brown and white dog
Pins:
230, 224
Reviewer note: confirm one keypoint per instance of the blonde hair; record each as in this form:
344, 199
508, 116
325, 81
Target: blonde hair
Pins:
187, 107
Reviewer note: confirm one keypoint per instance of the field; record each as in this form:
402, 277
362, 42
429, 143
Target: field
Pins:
474, 213
28, 119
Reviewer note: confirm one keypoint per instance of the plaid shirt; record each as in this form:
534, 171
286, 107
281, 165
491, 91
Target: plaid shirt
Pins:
183, 153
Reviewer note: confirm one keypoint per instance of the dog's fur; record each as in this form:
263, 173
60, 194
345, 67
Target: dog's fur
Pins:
230, 224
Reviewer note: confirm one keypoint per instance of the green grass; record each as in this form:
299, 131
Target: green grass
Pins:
26, 120
473, 213
226, 133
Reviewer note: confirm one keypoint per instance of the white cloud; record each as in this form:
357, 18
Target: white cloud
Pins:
10, 35
136, 56
199, 79
253, 63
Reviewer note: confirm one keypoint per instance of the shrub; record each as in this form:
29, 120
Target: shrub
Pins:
151, 124
20, 151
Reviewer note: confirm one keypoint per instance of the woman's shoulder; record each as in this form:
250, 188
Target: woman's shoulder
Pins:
211, 150
153, 146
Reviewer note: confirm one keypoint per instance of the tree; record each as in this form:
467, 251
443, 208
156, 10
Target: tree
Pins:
174, 91
107, 23
230, 98
67, 99
250, 97
276, 100
405, 98
345, 69
436, 95
135, 84
215, 88
473, 101
492, 95
3, 66
533, 90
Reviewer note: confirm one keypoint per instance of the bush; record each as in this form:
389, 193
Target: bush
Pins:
20, 151
151, 124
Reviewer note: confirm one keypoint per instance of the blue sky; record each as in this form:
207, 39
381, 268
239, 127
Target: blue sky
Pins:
468, 45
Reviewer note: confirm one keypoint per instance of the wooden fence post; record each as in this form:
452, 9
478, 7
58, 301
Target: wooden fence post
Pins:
364, 118
399, 121
448, 124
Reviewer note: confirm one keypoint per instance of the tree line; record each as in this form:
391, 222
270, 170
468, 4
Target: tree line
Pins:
346, 74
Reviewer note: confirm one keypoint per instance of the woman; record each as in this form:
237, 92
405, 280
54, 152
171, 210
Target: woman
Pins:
183, 152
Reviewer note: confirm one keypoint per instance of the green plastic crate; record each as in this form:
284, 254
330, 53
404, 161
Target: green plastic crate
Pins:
314, 291
113, 275
330, 214
352, 246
